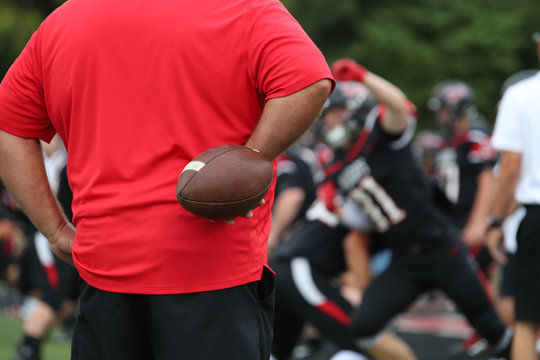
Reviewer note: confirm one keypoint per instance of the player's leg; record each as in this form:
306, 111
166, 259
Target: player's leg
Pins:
348, 355
315, 298
288, 325
386, 296
233, 323
391, 347
112, 326
453, 273
524, 346
39, 317
41, 286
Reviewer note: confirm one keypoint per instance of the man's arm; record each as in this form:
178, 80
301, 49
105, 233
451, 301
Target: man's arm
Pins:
285, 119
356, 249
286, 206
474, 231
509, 174
23, 172
503, 202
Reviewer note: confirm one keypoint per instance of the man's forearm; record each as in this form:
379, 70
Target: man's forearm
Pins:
285, 119
506, 184
482, 199
23, 172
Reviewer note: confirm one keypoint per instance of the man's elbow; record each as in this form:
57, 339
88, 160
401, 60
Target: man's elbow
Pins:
320, 90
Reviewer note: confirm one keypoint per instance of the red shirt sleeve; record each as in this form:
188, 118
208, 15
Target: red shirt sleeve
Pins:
283, 59
22, 103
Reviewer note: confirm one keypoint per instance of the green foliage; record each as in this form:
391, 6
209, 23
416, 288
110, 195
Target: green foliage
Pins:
414, 43
11, 335
418, 43
16, 26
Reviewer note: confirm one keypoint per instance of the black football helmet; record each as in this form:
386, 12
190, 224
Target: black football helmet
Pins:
345, 112
450, 101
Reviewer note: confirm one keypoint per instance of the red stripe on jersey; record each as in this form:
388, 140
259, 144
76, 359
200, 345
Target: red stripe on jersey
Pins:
334, 168
358, 145
335, 312
7, 247
52, 275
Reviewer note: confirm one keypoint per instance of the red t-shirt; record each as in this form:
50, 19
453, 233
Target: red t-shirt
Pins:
136, 89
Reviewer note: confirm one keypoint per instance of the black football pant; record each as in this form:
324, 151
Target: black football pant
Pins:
305, 295
234, 323
441, 264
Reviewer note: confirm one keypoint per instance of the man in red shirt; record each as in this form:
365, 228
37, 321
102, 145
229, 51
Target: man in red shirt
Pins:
136, 89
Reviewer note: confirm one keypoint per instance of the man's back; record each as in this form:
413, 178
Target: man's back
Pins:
136, 89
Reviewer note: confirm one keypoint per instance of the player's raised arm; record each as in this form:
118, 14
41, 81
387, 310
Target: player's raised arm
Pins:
397, 114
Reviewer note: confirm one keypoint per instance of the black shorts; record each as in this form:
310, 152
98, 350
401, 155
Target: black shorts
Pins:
528, 266
233, 323
34, 280
507, 285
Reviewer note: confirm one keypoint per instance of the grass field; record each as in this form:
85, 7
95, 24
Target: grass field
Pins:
10, 335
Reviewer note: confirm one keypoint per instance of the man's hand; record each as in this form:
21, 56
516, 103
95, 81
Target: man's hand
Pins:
474, 234
495, 245
247, 215
62, 242
348, 70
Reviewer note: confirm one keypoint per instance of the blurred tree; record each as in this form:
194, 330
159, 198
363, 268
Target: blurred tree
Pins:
414, 43
17, 23
418, 43
18, 20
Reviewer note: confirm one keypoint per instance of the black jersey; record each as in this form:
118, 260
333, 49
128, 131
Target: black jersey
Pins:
321, 244
381, 174
293, 171
458, 165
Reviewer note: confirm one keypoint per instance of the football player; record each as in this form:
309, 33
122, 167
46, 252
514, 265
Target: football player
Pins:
464, 165
378, 171
309, 264
464, 172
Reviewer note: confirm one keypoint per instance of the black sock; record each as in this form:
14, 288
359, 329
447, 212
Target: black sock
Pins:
31, 342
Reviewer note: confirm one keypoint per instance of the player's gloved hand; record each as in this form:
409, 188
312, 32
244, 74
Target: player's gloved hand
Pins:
347, 69
328, 195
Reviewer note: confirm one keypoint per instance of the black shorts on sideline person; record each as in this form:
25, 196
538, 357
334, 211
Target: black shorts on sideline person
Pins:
527, 271
216, 324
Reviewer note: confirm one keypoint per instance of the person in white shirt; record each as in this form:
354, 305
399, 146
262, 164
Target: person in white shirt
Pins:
516, 136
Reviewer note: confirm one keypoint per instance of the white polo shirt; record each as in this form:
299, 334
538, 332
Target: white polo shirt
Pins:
517, 129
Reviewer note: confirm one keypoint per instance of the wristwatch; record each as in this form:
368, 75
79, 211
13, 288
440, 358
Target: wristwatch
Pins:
494, 222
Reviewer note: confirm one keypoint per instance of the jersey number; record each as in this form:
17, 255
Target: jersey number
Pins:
448, 177
378, 205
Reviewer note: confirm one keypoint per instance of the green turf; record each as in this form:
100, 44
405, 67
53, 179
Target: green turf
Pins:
10, 335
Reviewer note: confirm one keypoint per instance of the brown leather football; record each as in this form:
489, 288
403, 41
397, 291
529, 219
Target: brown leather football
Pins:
224, 182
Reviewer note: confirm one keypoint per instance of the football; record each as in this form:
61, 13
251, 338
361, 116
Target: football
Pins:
224, 182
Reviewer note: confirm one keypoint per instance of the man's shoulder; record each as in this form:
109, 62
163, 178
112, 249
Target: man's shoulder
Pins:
527, 88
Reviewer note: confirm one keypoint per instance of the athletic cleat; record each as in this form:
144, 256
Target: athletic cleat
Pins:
25, 352
476, 349
307, 348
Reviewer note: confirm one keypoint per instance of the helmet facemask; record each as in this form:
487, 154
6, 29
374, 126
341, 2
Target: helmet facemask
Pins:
345, 112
